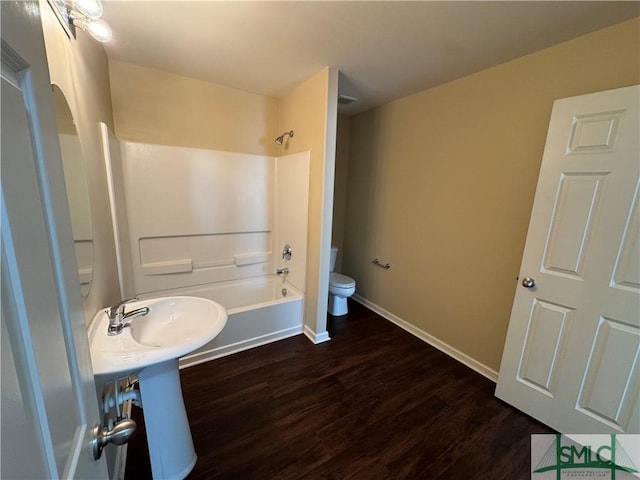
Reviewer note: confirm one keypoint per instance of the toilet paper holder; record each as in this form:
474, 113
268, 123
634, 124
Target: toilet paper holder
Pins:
377, 262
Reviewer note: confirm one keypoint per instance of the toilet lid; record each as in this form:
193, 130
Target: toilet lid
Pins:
339, 280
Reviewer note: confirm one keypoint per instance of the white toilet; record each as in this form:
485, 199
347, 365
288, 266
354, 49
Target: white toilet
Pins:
340, 288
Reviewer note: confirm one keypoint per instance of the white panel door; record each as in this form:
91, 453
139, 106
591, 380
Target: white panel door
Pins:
49, 404
571, 357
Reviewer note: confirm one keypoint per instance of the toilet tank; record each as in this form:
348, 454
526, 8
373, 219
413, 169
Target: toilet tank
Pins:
334, 255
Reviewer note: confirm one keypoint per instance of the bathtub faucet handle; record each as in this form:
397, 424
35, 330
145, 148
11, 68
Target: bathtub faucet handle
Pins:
282, 271
286, 252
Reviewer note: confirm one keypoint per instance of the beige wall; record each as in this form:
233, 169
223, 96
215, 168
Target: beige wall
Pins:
441, 185
310, 111
79, 67
153, 106
340, 186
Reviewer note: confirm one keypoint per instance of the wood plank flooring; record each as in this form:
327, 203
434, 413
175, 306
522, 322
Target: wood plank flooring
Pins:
372, 403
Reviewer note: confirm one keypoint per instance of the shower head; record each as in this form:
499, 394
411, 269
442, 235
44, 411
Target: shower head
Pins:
280, 139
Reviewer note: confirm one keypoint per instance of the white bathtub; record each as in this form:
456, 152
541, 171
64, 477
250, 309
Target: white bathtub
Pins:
259, 310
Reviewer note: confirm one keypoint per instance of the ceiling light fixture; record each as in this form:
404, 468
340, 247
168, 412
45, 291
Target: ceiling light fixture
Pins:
84, 14
97, 28
89, 8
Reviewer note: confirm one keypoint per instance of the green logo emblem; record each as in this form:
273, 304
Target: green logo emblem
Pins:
603, 454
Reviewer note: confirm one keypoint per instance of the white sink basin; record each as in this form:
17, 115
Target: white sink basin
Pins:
174, 326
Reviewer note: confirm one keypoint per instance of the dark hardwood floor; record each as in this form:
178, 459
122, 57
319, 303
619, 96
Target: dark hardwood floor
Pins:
372, 403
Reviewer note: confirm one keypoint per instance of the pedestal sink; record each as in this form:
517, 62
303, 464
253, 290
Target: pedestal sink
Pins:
150, 347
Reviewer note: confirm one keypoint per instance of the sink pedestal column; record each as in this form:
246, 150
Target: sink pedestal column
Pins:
168, 434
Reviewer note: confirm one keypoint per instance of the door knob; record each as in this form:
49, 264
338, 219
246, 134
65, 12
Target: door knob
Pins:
120, 434
528, 282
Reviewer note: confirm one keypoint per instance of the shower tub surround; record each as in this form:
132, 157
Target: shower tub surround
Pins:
213, 224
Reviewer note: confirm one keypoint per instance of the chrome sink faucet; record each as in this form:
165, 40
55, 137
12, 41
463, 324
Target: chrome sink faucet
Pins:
117, 316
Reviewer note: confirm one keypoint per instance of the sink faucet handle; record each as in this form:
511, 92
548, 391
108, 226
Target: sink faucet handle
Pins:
119, 308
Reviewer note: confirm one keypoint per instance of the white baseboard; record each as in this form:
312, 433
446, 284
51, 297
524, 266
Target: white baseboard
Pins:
201, 357
316, 337
454, 353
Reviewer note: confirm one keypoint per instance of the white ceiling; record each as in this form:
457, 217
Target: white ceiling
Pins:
384, 50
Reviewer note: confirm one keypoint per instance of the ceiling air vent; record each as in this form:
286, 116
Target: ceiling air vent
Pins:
346, 99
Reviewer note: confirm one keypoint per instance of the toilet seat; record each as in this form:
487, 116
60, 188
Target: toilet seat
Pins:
341, 281
340, 288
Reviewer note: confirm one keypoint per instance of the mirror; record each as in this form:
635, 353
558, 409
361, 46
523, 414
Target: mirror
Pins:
77, 189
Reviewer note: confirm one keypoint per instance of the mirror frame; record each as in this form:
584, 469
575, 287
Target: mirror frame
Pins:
77, 189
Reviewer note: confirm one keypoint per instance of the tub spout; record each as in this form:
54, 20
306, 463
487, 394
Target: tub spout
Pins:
282, 271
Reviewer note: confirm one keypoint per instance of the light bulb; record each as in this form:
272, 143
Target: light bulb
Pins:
98, 29
89, 8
